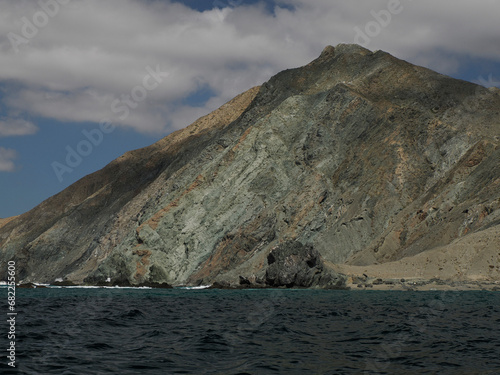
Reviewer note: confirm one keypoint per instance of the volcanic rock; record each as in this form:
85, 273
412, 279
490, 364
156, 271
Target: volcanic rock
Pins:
292, 264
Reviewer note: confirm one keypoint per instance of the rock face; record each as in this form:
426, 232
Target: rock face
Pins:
292, 264
365, 157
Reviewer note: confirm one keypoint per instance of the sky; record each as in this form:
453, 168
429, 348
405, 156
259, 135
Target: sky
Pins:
84, 81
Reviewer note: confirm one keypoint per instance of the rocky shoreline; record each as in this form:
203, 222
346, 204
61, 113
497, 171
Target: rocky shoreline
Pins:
293, 265
353, 283
70, 284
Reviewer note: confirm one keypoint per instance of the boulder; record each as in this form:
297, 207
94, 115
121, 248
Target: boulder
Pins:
292, 264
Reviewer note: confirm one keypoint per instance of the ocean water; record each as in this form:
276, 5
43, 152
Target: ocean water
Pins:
179, 331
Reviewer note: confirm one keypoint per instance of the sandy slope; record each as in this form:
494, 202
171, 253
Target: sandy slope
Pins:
473, 258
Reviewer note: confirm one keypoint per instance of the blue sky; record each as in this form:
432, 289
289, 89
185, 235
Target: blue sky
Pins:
70, 68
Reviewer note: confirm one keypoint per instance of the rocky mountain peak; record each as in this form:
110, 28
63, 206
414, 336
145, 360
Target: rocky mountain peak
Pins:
358, 158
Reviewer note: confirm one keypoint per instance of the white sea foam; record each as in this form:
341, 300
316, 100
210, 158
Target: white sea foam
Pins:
100, 287
4, 284
194, 287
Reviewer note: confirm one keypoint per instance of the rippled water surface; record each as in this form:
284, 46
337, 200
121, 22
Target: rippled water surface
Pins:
145, 331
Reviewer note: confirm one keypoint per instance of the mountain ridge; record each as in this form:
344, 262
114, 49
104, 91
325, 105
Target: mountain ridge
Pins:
366, 157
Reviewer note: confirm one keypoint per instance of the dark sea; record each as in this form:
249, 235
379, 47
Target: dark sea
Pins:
179, 331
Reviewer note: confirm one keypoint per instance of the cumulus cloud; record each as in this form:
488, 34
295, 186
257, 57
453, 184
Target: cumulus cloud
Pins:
92, 53
6, 159
13, 127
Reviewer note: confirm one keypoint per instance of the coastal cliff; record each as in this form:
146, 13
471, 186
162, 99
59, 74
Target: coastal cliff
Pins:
363, 162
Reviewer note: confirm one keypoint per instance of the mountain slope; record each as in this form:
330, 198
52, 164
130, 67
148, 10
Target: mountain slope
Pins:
368, 158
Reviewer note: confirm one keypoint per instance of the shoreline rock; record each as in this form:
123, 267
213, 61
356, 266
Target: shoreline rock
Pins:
30, 286
292, 264
377, 284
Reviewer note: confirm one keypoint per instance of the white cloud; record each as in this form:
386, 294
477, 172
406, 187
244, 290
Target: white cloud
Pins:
93, 52
13, 127
6, 159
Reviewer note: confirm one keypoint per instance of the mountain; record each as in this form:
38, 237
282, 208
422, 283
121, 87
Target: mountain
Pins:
357, 162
